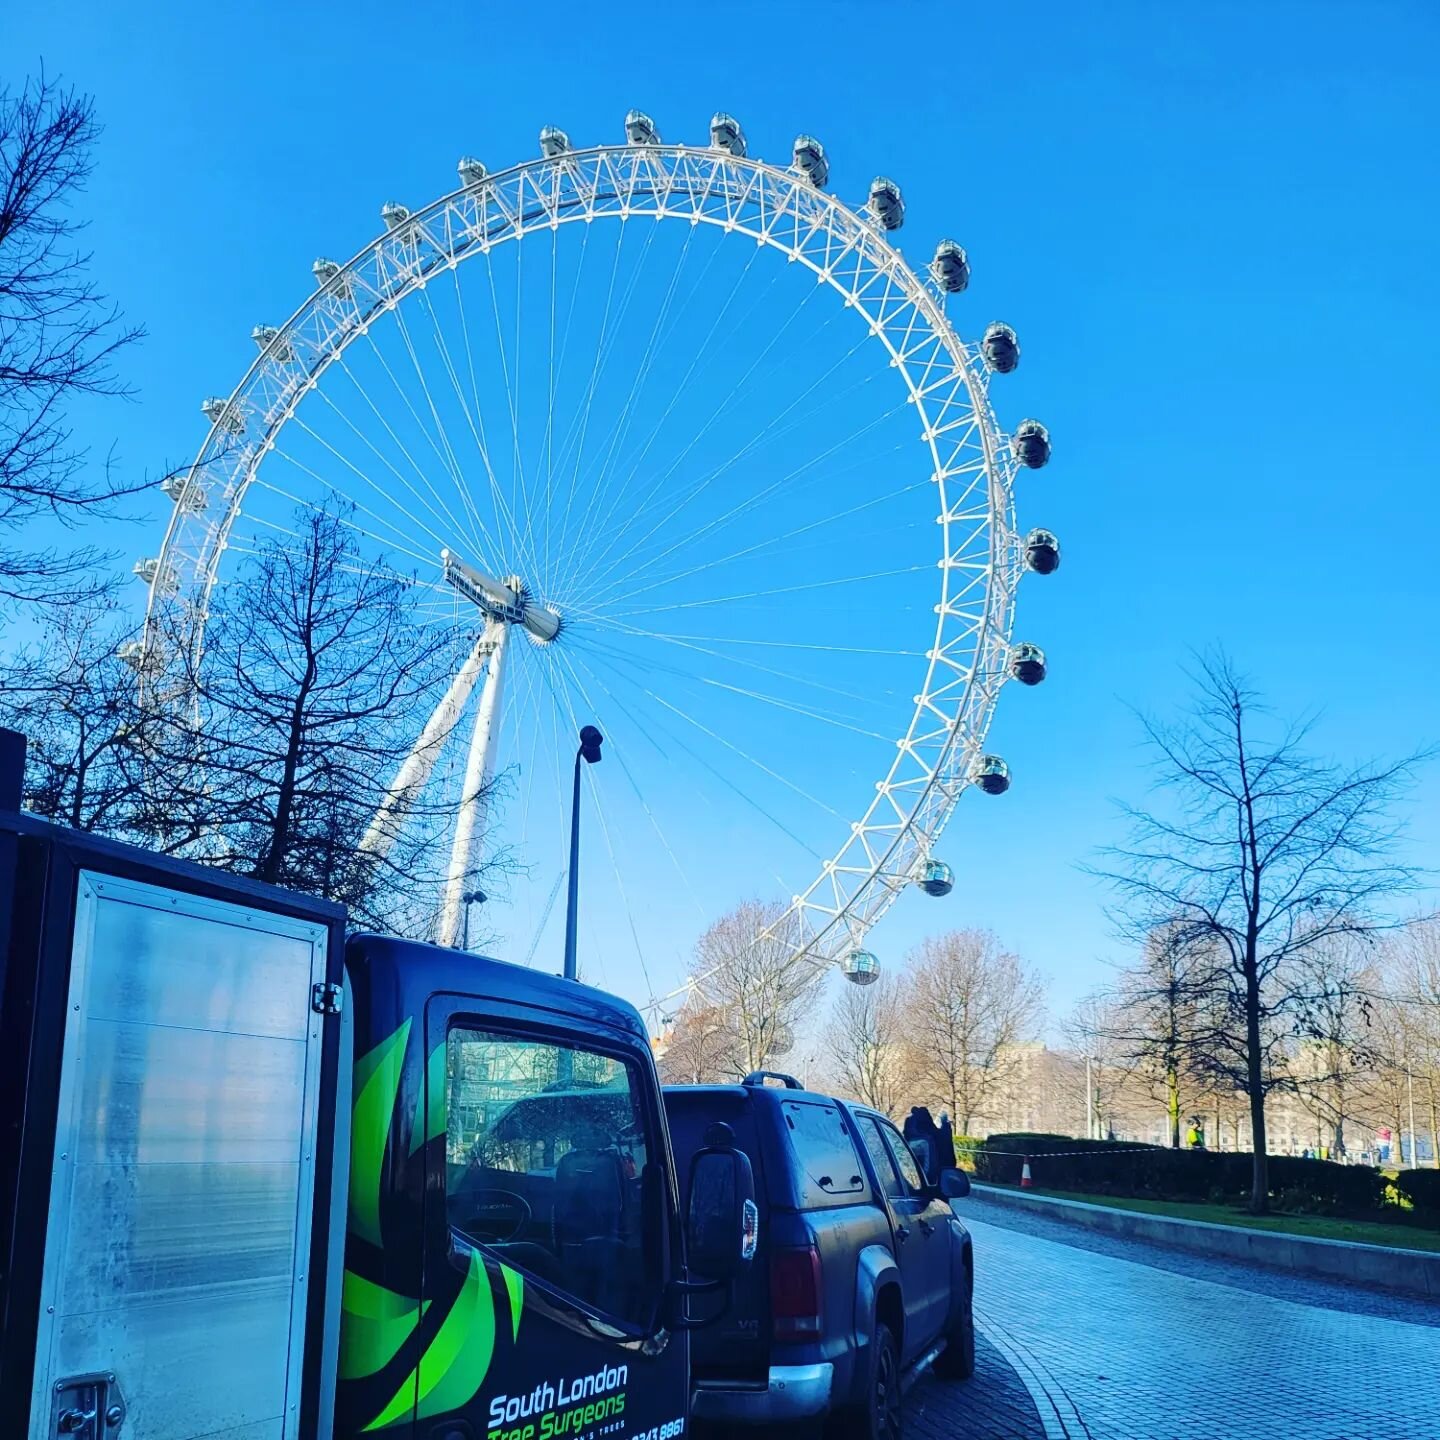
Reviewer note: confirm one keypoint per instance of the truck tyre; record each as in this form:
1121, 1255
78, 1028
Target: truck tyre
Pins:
957, 1360
880, 1415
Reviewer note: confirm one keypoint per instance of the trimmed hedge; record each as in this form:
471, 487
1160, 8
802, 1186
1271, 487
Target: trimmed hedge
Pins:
965, 1148
1122, 1168
1421, 1188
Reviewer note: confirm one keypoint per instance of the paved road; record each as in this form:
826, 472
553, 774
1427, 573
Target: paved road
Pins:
1091, 1336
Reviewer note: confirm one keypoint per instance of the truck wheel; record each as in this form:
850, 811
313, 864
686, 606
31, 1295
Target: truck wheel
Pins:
881, 1415
957, 1360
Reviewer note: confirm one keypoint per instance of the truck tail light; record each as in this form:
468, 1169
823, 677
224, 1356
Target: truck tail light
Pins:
795, 1293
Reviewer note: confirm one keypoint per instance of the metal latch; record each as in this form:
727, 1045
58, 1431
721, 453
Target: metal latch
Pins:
88, 1407
327, 998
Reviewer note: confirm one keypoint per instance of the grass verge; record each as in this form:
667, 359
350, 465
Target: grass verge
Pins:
1399, 1234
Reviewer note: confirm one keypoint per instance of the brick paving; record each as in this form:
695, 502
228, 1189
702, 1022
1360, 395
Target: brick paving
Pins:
1094, 1336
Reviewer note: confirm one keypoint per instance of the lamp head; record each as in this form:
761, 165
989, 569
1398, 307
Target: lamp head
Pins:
590, 741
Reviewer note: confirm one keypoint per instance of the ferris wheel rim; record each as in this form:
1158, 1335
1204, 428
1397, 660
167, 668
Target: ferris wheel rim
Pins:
904, 840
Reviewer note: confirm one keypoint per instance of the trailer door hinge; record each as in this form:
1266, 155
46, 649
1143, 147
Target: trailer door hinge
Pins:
327, 998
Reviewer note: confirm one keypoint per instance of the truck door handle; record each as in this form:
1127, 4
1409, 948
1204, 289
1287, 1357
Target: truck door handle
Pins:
901, 1232
926, 1228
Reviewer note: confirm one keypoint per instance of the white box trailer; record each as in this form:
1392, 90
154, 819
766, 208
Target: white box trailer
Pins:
168, 1085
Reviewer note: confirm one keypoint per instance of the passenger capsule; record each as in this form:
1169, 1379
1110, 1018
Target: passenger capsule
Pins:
328, 277
640, 129
950, 267
991, 774
782, 1042
553, 142
860, 967
1042, 552
184, 492
1031, 444
726, 134
886, 203
1000, 348
148, 571
265, 336
394, 215
471, 171
936, 878
1027, 664
217, 412
810, 160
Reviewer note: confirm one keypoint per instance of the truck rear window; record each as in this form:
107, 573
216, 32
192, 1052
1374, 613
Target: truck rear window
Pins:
828, 1166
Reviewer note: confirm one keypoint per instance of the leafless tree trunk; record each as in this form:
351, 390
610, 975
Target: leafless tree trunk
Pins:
1260, 854
1154, 1020
745, 969
969, 1006
866, 1040
699, 1047
58, 337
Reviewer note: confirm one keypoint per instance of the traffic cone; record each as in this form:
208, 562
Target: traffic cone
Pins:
1025, 1181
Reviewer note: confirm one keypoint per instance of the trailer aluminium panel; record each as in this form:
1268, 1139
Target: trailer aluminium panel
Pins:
168, 1085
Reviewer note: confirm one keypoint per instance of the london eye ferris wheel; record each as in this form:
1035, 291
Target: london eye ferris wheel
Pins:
732, 484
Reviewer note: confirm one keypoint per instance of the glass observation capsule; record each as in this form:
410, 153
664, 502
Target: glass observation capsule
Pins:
148, 571
936, 878
471, 171
265, 335
950, 267
1031, 444
811, 161
394, 215
886, 203
991, 774
860, 967
1042, 552
726, 134
782, 1042
184, 492
1000, 348
327, 276
1027, 664
640, 129
553, 141
217, 412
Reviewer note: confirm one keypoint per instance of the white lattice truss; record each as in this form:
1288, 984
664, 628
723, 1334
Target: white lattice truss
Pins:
973, 468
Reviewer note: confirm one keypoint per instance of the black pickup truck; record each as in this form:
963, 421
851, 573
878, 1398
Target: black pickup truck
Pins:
862, 1272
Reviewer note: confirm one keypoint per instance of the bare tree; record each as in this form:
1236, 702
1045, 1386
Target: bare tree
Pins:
746, 969
1334, 1052
1262, 854
72, 697
58, 336
969, 1006
307, 698
699, 1046
867, 1045
1154, 1021
1405, 1038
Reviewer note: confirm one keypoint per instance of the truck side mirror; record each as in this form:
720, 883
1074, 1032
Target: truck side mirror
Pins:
723, 1223
954, 1184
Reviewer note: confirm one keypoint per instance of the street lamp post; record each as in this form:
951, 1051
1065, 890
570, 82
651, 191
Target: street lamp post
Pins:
589, 751
469, 898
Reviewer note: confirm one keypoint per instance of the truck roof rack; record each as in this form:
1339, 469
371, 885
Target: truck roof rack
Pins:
759, 1077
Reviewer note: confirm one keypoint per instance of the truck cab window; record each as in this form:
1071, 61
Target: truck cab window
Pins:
905, 1160
550, 1166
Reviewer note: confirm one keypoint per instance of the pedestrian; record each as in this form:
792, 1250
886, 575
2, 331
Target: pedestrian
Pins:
946, 1159
923, 1137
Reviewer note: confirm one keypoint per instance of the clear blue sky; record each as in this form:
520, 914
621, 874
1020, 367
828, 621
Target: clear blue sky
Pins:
1213, 228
